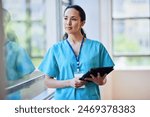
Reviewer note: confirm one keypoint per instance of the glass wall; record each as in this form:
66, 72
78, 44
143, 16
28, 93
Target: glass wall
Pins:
27, 38
131, 32
28, 24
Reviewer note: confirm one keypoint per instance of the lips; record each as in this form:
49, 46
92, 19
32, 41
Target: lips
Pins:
69, 28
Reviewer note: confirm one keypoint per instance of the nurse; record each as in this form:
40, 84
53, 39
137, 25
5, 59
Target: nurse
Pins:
66, 61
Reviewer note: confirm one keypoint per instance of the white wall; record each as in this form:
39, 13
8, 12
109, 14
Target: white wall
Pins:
128, 85
92, 25
53, 28
131, 84
122, 84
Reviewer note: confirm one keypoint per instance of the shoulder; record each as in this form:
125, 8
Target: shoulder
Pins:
94, 42
57, 46
13, 46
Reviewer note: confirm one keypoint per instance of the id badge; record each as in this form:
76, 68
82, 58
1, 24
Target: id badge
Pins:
79, 75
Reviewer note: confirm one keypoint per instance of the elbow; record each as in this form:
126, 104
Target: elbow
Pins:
47, 82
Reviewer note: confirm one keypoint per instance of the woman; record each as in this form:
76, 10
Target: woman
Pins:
75, 55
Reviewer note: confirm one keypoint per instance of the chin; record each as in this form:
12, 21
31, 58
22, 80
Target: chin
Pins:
69, 32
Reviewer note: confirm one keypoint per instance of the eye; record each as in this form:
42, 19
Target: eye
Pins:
74, 19
65, 18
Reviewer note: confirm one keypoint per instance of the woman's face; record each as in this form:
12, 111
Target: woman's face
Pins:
72, 21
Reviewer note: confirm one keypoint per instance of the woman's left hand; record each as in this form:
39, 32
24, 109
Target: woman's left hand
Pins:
99, 80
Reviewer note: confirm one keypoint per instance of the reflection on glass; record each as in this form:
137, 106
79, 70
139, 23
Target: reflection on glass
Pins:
17, 7
131, 36
29, 24
20, 30
37, 33
29, 89
27, 34
17, 61
131, 8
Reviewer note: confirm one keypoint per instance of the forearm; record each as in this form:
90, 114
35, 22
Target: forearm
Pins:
52, 83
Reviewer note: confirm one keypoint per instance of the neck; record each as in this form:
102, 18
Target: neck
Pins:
75, 38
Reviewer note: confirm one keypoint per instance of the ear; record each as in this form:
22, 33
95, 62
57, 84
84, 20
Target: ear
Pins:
82, 23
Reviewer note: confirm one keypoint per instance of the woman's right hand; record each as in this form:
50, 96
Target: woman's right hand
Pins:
76, 83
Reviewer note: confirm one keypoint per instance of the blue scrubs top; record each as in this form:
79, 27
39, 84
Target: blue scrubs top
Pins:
60, 62
17, 61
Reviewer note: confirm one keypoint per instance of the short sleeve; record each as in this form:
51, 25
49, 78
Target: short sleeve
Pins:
105, 59
24, 64
49, 64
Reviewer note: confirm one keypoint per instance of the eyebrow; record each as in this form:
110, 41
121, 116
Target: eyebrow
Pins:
72, 16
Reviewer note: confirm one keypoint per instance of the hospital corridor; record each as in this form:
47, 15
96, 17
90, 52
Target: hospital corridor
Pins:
28, 28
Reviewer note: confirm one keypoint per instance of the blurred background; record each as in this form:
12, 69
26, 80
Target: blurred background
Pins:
123, 26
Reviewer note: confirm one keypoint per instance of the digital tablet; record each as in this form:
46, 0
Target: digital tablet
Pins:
95, 71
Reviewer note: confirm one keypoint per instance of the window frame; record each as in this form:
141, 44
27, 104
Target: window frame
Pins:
54, 34
2, 77
127, 18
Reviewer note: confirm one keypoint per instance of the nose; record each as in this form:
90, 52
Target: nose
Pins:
68, 22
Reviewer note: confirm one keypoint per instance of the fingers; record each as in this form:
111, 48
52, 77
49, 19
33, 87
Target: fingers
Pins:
92, 75
98, 75
104, 81
79, 83
89, 79
100, 80
104, 76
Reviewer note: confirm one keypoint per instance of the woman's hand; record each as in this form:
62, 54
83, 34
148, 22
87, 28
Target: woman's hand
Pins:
76, 83
99, 80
